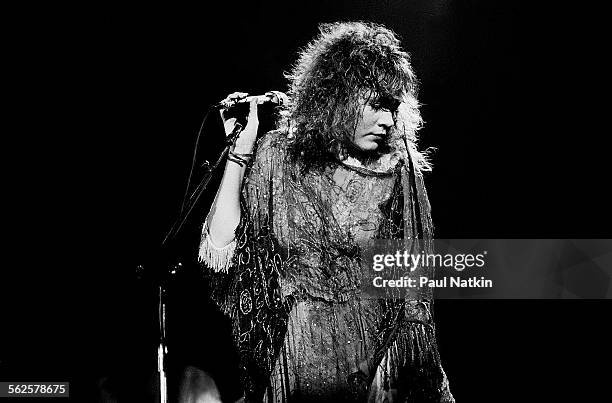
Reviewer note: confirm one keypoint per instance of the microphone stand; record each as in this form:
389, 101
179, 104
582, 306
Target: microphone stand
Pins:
162, 347
162, 287
193, 199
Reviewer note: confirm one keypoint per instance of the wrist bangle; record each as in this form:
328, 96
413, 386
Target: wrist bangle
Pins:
238, 159
249, 155
244, 157
242, 164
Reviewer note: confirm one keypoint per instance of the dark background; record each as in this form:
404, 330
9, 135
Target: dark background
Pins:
109, 100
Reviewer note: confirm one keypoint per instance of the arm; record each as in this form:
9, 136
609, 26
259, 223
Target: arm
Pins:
224, 216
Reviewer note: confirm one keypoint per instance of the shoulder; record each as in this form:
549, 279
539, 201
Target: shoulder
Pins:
267, 168
272, 145
272, 139
270, 153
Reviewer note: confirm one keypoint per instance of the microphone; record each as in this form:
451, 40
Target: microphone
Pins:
275, 98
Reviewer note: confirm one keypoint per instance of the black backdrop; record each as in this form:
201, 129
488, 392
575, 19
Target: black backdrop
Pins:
116, 95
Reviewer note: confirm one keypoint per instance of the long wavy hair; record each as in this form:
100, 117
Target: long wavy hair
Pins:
346, 62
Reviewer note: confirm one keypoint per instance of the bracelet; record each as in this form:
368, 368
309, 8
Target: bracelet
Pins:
242, 157
249, 155
239, 158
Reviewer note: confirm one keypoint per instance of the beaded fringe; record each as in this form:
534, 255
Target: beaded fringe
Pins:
218, 259
411, 368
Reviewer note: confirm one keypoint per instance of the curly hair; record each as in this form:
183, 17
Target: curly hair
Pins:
346, 62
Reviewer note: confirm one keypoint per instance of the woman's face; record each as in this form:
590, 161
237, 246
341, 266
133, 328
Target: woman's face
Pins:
377, 119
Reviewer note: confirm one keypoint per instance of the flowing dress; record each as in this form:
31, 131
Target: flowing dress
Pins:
291, 282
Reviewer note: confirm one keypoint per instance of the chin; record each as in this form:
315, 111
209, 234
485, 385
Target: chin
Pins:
368, 150
369, 146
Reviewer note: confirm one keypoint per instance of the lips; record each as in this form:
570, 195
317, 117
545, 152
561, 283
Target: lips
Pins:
379, 135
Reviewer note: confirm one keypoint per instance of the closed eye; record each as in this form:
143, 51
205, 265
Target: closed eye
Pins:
388, 103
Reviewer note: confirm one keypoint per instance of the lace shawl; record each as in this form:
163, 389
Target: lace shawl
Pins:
294, 242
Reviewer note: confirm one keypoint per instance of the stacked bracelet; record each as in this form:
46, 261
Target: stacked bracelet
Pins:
240, 159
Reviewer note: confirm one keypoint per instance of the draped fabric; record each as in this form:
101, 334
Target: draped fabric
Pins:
292, 286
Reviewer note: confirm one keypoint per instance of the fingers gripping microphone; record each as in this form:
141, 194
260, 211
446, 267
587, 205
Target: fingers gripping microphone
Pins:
275, 98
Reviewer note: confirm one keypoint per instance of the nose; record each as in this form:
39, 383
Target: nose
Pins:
385, 119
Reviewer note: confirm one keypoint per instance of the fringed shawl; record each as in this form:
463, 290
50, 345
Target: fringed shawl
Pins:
291, 245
